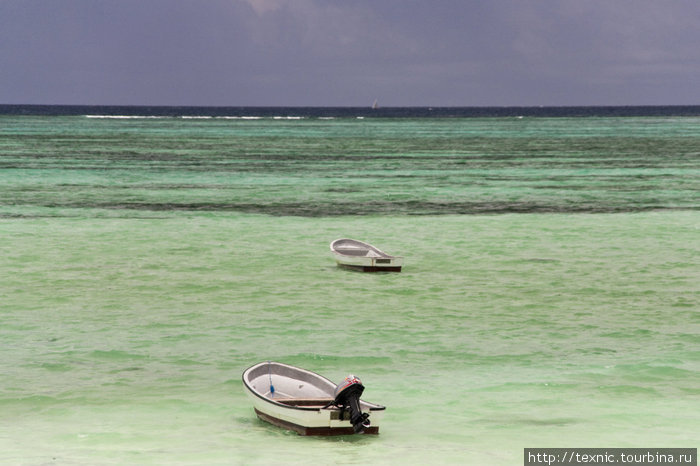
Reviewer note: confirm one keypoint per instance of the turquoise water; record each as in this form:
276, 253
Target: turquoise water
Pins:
549, 298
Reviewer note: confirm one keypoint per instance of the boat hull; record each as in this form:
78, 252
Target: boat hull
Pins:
301, 401
319, 431
369, 268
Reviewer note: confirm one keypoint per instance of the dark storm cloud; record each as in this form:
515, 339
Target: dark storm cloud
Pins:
333, 52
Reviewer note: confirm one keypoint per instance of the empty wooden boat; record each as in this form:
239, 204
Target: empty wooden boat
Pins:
309, 404
359, 255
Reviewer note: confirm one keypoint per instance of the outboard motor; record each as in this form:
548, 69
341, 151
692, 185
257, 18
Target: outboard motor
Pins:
347, 396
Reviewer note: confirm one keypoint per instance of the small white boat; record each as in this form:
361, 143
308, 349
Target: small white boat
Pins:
362, 256
309, 404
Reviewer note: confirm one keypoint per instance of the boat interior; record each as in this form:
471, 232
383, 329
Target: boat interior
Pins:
350, 251
307, 402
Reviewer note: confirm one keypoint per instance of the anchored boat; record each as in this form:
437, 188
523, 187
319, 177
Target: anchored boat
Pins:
308, 403
358, 255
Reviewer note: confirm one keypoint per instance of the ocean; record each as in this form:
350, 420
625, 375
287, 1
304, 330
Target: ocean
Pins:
550, 295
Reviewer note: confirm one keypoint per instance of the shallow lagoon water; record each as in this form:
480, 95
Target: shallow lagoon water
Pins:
124, 339
126, 324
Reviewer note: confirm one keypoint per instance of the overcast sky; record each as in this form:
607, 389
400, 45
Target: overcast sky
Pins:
350, 52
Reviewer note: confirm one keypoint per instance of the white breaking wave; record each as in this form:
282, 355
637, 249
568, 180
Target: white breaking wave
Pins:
124, 117
240, 118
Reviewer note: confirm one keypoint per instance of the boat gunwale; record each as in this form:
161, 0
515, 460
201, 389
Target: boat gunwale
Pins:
367, 245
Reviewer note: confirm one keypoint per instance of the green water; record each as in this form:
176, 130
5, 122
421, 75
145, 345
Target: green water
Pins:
147, 263
352, 167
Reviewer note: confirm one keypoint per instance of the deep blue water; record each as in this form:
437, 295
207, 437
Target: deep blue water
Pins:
339, 112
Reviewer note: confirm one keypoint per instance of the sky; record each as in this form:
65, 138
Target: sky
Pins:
350, 52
